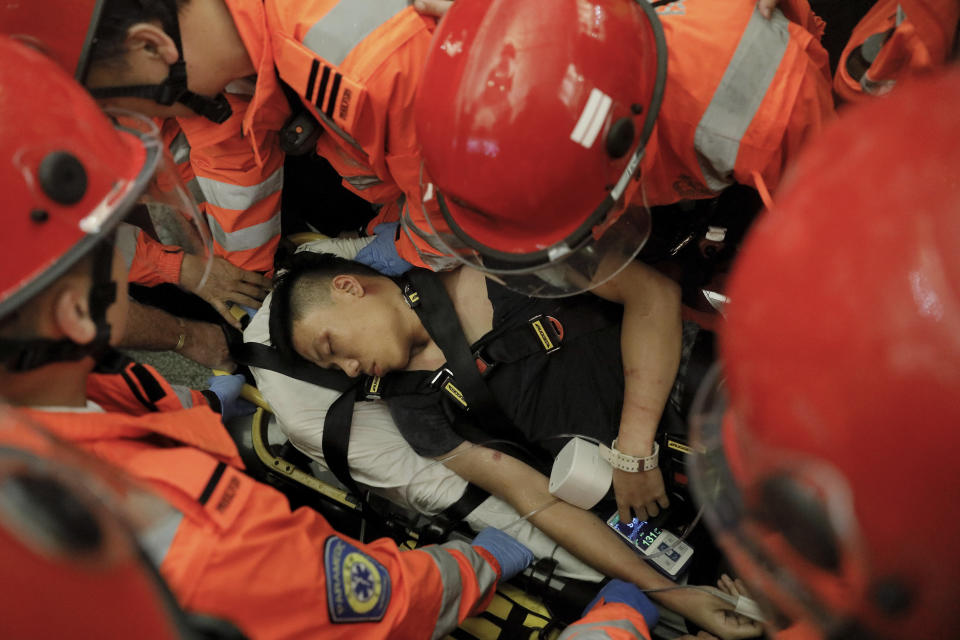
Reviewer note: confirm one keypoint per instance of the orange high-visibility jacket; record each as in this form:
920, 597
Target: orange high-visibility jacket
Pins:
613, 620
743, 94
895, 39
356, 65
148, 262
233, 548
132, 388
235, 177
234, 171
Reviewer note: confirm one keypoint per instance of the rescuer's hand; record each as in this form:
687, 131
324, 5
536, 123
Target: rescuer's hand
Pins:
630, 595
512, 556
225, 284
206, 344
643, 491
381, 254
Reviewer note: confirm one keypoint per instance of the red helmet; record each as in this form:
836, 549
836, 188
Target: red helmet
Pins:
830, 473
75, 536
62, 29
69, 177
532, 124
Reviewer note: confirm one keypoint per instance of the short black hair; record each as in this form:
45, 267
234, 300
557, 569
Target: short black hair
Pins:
304, 284
118, 16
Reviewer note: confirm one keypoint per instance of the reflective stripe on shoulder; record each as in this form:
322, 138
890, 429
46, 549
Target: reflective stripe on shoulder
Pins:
237, 197
738, 97
248, 238
336, 34
180, 148
363, 182
452, 587
598, 630
183, 395
156, 540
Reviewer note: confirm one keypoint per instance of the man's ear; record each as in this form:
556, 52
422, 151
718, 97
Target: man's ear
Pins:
151, 39
348, 285
71, 314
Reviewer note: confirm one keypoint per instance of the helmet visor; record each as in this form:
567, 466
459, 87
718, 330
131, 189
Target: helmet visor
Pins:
589, 256
74, 533
163, 207
785, 521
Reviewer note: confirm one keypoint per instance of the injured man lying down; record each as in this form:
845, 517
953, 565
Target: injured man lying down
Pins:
619, 370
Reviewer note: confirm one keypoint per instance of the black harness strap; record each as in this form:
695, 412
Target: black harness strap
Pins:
338, 421
258, 355
336, 439
441, 322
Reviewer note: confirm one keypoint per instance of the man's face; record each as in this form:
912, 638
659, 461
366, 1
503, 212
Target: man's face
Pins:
147, 60
354, 334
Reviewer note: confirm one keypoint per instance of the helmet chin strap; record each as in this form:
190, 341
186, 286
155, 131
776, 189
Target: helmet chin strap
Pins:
174, 88
26, 354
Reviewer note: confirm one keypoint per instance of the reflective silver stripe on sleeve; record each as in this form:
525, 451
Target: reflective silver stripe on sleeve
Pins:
183, 395
597, 630
335, 35
156, 540
486, 574
247, 238
363, 182
232, 196
126, 242
180, 148
452, 588
737, 98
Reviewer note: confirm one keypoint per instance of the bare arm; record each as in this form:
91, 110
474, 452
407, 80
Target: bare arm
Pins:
587, 537
650, 343
154, 329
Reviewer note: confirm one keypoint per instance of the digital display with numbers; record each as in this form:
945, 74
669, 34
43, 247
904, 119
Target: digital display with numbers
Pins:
663, 550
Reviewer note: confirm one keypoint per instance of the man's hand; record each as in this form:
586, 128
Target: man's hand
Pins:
225, 284
205, 344
436, 8
712, 614
643, 491
766, 7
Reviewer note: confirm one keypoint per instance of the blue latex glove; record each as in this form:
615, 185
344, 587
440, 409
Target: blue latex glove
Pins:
227, 389
628, 594
250, 310
512, 556
381, 253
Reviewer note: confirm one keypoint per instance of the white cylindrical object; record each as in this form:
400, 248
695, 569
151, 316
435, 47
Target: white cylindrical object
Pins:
579, 475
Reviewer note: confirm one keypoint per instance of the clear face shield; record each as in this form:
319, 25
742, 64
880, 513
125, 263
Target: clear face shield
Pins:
786, 521
590, 255
139, 192
163, 207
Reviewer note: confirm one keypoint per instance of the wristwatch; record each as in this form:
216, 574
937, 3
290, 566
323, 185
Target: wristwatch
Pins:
625, 462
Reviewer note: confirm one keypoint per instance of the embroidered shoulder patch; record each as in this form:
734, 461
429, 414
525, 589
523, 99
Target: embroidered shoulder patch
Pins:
358, 587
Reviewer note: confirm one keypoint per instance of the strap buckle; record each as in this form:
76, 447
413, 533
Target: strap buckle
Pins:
410, 295
443, 380
484, 364
548, 330
371, 387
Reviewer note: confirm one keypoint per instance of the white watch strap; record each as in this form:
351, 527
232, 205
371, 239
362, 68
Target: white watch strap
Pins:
625, 462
